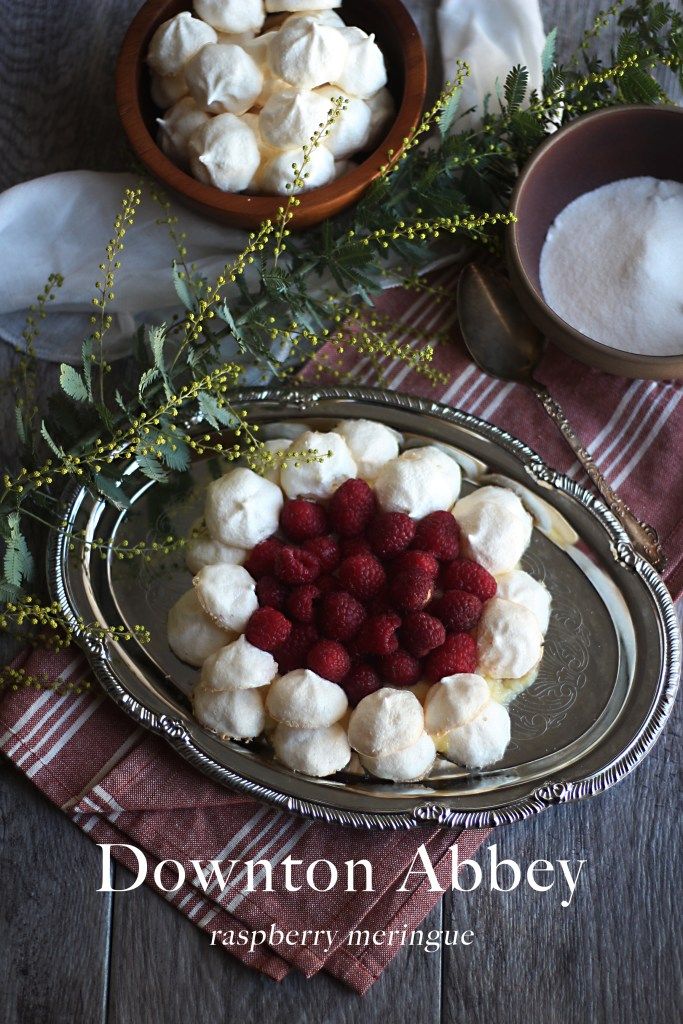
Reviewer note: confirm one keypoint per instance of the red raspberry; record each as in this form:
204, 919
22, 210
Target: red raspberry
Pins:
361, 680
377, 635
418, 561
390, 533
362, 575
294, 652
464, 574
301, 520
341, 615
422, 633
295, 566
351, 508
261, 558
400, 669
301, 602
351, 546
411, 591
268, 629
457, 654
271, 593
438, 533
329, 659
327, 583
458, 610
326, 550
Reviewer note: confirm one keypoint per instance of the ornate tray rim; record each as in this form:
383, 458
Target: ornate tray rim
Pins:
424, 813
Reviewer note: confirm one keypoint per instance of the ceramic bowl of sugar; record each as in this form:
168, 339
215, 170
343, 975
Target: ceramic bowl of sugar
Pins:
596, 251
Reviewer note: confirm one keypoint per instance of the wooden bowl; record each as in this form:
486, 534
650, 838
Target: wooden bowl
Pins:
404, 53
598, 148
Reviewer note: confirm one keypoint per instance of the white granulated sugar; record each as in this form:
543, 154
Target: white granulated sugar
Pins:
612, 265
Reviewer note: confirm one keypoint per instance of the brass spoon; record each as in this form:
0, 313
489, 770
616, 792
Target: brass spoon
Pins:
504, 343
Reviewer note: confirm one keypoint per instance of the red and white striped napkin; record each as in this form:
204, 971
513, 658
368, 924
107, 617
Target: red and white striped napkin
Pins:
122, 785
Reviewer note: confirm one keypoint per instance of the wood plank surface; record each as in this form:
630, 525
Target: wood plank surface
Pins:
70, 954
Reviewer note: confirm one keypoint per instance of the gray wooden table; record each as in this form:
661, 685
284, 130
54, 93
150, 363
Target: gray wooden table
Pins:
69, 954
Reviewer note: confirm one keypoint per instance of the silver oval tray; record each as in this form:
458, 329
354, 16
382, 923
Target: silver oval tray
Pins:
606, 683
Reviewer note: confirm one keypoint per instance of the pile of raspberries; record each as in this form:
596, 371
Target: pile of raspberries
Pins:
366, 598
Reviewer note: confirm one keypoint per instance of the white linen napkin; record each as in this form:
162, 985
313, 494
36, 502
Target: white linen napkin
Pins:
61, 223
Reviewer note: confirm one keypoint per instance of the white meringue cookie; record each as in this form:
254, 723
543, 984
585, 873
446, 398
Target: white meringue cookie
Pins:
382, 113
224, 153
278, 446
364, 71
351, 131
177, 126
203, 550
304, 700
301, 6
342, 167
307, 53
385, 721
454, 700
233, 16
176, 41
168, 89
317, 752
223, 78
233, 714
238, 666
277, 175
420, 481
227, 593
320, 479
325, 15
481, 741
257, 48
371, 444
509, 639
495, 527
192, 636
242, 508
407, 765
289, 119
520, 587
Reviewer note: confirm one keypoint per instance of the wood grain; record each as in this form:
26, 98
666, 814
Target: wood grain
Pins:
54, 927
613, 956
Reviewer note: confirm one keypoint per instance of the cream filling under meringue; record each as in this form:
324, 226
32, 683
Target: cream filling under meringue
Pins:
307, 53
509, 639
223, 78
318, 479
420, 481
242, 508
495, 527
176, 41
304, 700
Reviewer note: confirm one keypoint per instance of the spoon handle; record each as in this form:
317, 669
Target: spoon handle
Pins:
643, 536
